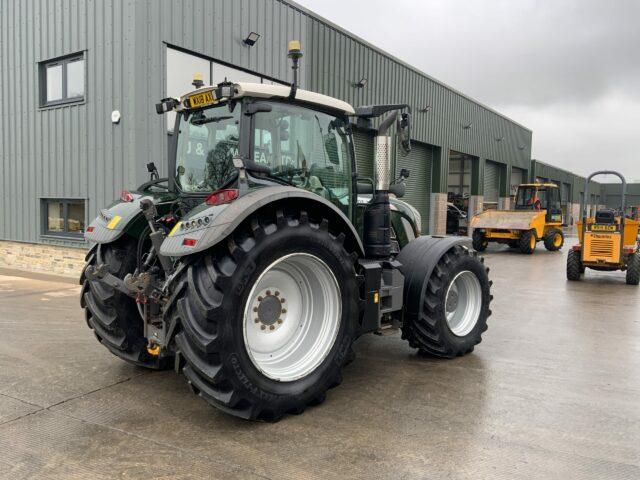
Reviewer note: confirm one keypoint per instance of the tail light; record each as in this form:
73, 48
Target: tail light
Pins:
189, 242
221, 197
126, 196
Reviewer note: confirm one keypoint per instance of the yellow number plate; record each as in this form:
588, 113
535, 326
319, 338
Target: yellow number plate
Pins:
603, 228
201, 99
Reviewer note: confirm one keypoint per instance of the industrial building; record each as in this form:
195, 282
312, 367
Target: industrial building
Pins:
80, 79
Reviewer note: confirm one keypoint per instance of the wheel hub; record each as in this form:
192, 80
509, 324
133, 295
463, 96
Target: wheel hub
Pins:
269, 310
452, 299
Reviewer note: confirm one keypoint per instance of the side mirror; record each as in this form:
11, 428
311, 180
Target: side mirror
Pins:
398, 189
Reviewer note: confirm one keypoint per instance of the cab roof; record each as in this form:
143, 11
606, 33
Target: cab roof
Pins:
262, 90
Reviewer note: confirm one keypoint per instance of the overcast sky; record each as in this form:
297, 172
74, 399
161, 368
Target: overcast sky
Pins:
567, 69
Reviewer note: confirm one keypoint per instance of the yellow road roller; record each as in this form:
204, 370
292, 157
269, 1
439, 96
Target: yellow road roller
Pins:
608, 241
537, 216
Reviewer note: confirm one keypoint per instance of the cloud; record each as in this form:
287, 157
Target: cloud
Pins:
567, 69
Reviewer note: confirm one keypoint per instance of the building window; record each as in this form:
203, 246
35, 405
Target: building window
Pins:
182, 66
62, 80
63, 217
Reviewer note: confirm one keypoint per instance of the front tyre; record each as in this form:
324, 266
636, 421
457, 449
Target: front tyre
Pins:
527, 242
574, 265
633, 269
554, 240
455, 308
479, 240
268, 318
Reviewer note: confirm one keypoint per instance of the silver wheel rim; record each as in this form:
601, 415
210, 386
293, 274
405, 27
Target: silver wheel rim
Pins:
463, 303
292, 317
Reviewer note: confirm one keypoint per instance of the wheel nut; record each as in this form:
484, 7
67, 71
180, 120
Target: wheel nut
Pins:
257, 320
255, 309
262, 327
279, 321
271, 327
277, 293
284, 310
268, 292
260, 298
282, 300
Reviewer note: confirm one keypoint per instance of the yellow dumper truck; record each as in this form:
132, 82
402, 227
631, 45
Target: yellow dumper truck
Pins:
536, 216
608, 241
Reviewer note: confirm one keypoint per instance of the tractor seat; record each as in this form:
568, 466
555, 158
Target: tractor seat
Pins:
606, 216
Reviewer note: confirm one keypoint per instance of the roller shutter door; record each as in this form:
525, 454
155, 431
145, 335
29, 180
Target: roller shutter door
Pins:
517, 178
363, 145
418, 193
491, 182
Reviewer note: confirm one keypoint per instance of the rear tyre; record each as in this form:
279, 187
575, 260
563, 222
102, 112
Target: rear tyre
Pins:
574, 265
554, 240
479, 240
455, 308
113, 316
268, 317
527, 242
633, 269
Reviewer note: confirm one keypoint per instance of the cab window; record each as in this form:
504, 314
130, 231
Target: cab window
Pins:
306, 148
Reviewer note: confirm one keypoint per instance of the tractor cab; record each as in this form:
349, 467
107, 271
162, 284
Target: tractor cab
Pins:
538, 197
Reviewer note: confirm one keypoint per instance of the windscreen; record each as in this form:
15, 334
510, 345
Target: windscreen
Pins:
207, 142
530, 198
306, 148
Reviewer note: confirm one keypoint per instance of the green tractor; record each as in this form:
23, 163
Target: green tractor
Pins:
255, 265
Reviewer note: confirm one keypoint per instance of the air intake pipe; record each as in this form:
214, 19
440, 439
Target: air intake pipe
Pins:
377, 216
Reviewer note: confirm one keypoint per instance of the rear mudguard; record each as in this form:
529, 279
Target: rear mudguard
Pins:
206, 225
121, 217
418, 260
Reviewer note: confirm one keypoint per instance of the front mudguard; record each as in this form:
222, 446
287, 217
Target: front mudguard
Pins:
418, 260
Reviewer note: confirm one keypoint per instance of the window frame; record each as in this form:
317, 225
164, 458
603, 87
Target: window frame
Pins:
66, 234
63, 62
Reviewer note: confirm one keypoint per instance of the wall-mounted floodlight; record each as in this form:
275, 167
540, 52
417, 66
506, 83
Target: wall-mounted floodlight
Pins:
361, 83
468, 126
425, 109
251, 39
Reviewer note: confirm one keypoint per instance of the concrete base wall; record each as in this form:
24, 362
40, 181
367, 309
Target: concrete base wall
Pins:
40, 258
475, 206
438, 214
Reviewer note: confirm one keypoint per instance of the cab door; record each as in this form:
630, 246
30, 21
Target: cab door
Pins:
554, 206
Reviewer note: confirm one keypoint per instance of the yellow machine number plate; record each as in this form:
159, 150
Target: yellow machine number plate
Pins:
201, 99
603, 228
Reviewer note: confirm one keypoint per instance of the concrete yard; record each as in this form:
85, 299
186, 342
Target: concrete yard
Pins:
552, 392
